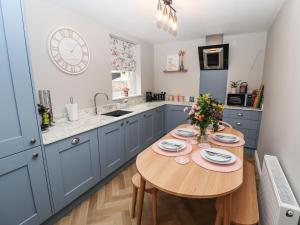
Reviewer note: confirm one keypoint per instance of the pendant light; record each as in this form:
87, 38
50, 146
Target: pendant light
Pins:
166, 15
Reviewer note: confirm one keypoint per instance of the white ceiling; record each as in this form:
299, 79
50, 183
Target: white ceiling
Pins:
196, 18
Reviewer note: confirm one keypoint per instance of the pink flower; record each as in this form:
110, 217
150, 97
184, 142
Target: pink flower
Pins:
192, 112
194, 106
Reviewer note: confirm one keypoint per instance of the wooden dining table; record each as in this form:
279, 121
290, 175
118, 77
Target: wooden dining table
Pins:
189, 180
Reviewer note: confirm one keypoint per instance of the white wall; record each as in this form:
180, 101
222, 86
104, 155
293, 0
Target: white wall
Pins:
280, 128
42, 18
246, 61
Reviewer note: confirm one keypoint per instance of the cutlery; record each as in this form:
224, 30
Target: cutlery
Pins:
226, 137
185, 131
171, 144
218, 154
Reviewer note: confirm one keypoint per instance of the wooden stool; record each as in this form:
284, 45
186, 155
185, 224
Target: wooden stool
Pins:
244, 201
136, 179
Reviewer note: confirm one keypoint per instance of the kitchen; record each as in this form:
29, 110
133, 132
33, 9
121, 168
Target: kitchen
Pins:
72, 136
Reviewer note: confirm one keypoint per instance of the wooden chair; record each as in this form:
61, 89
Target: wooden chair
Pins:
244, 201
136, 179
225, 124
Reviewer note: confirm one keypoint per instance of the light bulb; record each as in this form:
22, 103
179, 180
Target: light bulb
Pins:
165, 15
159, 12
171, 19
174, 23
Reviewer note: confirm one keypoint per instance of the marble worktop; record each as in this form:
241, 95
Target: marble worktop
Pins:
88, 120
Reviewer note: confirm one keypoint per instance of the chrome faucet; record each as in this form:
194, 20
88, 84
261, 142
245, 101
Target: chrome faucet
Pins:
95, 100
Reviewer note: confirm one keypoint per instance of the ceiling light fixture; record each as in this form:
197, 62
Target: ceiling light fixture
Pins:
166, 16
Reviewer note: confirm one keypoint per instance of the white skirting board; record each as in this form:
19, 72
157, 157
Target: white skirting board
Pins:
257, 163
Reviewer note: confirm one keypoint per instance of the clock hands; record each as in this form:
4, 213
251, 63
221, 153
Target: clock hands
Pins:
73, 48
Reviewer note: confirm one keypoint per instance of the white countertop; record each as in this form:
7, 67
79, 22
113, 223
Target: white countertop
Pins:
89, 121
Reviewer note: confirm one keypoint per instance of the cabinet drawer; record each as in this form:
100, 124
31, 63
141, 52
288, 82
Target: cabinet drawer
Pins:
241, 114
242, 123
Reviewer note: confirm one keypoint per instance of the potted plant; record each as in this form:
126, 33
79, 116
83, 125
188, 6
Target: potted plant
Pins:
204, 112
125, 91
234, 85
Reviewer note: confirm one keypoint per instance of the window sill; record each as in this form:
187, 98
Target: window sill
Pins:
130, 96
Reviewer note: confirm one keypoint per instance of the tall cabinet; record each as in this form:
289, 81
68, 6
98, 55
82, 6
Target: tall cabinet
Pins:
23, 187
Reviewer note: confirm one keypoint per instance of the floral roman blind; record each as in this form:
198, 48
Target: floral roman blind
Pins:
123, 55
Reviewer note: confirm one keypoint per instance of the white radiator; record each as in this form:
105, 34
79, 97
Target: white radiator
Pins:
278, 205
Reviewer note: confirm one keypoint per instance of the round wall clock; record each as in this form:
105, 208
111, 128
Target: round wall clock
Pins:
69, 51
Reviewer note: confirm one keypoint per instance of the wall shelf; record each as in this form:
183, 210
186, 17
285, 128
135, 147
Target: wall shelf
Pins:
176, 71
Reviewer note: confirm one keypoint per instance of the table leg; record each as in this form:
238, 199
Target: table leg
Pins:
226, 209
141, 201
219, 209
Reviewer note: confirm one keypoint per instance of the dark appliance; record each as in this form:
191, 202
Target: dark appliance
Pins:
214, 57
148, 96
250, 100
243, 87
236, 99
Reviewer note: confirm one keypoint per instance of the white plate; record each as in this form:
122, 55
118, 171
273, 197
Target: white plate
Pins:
226, 138
185, 132
216, 159
171, 148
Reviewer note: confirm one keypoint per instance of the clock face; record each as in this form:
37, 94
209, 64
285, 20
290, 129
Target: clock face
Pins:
69, 51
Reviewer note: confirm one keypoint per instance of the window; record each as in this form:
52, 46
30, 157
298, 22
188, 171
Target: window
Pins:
125, 69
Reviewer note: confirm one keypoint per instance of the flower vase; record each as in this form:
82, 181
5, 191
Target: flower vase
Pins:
202, 137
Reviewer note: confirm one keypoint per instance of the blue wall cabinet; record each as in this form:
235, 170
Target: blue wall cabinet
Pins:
111, 147
133, 136
175, 116
159, 122
246, 121
19, 127
24, 195
73, 166
148, 128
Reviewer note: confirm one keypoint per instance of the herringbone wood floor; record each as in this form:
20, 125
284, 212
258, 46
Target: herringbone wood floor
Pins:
111, 206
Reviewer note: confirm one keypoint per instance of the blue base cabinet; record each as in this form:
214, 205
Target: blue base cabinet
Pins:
246, 121
133, 136
73, 166
111, 147
148, 128
175, 116
159, 122
24, 195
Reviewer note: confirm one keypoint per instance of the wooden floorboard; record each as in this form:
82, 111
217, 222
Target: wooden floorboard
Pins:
111, 206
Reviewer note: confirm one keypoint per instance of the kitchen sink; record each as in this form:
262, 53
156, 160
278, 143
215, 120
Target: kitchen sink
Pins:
117, 113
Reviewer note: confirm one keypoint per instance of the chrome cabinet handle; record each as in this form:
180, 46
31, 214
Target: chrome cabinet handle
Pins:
239, 124
33, 141
127, 121
240, 114
35, 155
122, 124
75, 141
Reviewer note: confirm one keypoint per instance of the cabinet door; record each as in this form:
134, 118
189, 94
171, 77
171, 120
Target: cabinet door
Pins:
23, 189
133, 136
175, 116
18, 121
111, 147
159, 122
73, 166
148, 128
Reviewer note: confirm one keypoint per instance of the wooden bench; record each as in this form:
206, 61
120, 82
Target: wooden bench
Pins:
244, 201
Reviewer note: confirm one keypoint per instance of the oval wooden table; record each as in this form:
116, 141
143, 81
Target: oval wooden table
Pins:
190, 180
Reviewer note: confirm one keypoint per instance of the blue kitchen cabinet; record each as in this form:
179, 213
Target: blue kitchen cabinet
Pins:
111, 147
246, 121
175, 116
18, 121
24, 195
148, 128
159, 122
133, 136
73, 166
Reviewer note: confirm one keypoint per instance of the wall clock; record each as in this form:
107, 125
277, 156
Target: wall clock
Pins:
69, 51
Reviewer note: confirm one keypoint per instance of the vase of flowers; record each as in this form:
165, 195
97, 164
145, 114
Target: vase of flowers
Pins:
181, 56
125, 91
204, 112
